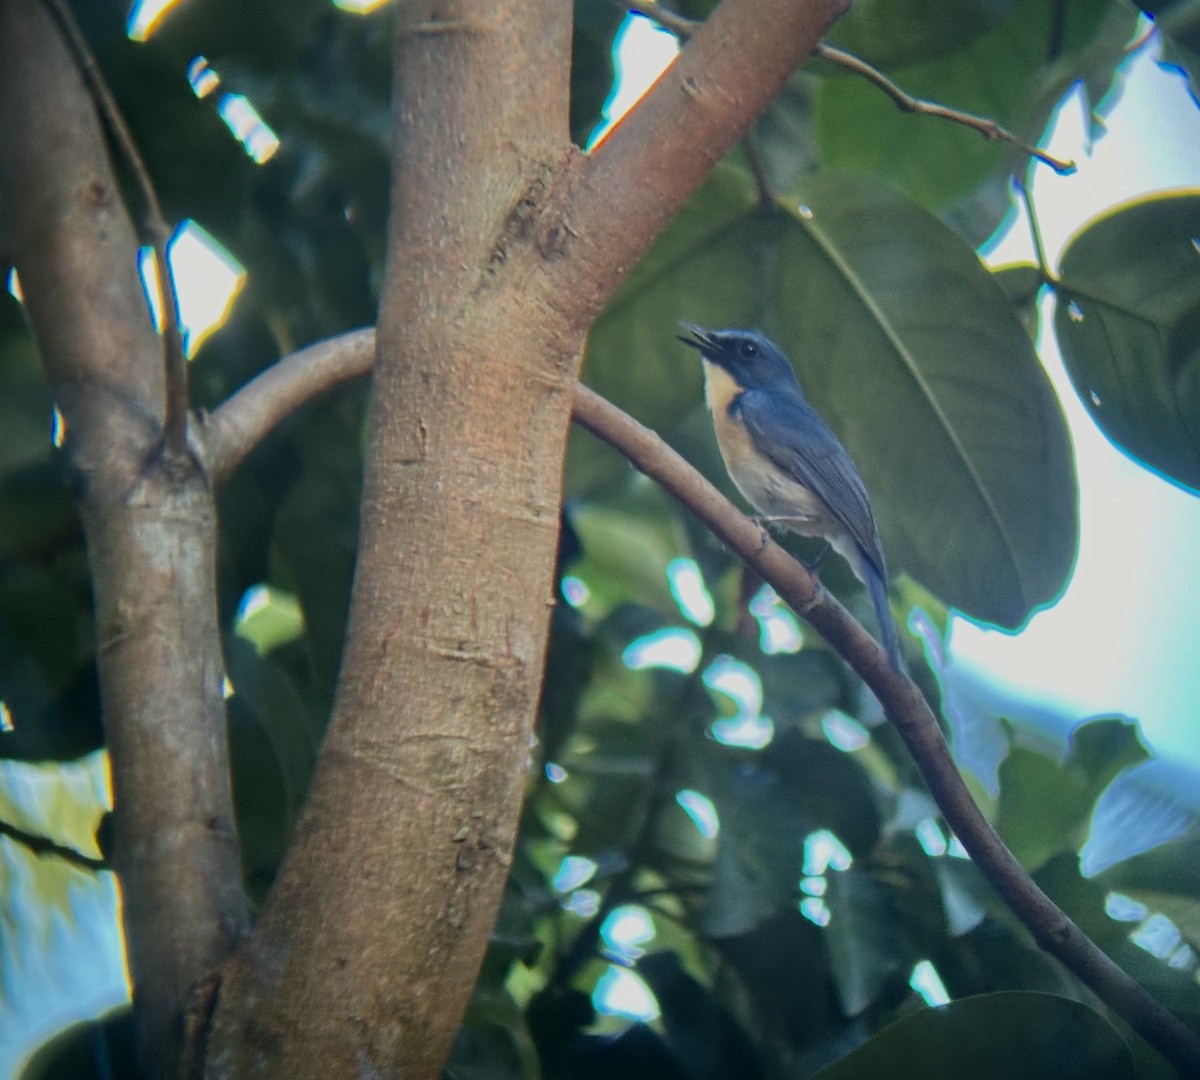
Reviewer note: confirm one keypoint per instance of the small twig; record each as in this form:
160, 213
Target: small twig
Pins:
683, 28
43, 845
989, 129
679, 25
154, 225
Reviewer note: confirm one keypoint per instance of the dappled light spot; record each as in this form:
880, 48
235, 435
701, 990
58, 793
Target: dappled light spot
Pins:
207, 280
815, 910
740, 683
582, 902
930, 836
926, 981
744, 732
689, 591
844, 732
203, 79
359, 7
573, 872
1124, 908
268, 617
778, 628
621, 992
701, 810
673, 648
146, 16
824, 851
626, 929
256, 137
575, 591
555, 773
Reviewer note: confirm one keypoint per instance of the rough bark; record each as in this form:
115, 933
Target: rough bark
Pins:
149, 523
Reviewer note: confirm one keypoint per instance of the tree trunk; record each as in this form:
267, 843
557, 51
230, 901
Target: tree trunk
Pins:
150, 526
382, 911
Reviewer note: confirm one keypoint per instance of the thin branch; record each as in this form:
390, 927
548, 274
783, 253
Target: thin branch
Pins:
683, 28
986, 127
242, 421
43, 845
910, 715
154, 226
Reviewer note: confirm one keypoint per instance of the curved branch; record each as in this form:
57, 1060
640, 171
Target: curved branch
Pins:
909, 713
242, 421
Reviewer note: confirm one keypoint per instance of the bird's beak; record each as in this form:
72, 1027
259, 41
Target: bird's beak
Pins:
700, 339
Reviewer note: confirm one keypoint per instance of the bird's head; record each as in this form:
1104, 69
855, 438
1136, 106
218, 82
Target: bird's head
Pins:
751, 359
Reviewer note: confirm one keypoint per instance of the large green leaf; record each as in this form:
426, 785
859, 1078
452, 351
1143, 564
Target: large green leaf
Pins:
889, 33
1045, 805
905, 344
993, 1037
1128, 322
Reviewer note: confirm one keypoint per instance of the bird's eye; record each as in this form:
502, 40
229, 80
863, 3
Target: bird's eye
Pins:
749, 349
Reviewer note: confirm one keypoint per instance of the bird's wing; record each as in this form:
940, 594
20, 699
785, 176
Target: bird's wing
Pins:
786, 430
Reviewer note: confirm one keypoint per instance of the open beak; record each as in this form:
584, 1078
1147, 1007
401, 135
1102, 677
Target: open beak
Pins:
700, 339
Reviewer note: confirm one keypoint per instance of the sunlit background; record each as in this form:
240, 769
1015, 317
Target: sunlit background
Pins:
1121, 639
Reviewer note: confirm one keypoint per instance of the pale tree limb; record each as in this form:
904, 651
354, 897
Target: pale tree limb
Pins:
150, 527
231, 431
154, 225
910, 714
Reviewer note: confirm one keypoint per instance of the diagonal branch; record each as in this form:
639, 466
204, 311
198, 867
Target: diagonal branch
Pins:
909, 713
43, 845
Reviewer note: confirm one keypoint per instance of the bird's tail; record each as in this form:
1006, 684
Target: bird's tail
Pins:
877, 585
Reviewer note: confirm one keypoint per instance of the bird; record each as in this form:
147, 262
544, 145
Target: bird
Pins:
785, 459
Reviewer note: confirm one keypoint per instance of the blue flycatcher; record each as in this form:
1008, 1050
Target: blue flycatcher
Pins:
785, 460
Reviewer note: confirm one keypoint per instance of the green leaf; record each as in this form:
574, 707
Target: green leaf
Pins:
993, 1037
1128, 322
892, 33
908, 348
912, 352
865, 949
1045, 806
628, 539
